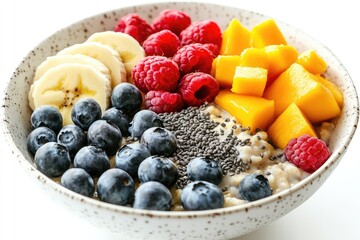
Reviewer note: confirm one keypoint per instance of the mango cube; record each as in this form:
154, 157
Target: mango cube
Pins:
312, 62
292, 123
280, 57
254, 57
249, 81
337, 93
235, 38
297, 85
225, 69
253, 112
266, 33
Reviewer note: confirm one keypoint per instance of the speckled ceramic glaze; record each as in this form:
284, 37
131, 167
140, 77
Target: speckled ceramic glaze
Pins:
214, 224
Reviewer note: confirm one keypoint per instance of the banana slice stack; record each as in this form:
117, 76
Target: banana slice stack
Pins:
89, 69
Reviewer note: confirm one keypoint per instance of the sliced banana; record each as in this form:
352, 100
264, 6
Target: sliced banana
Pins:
105, 54
62, 86
60, 59
129, 49
76, 58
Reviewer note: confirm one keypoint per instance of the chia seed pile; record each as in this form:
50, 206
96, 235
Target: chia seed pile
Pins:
197, 137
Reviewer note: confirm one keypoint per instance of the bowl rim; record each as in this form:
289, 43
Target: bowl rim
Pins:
245, 207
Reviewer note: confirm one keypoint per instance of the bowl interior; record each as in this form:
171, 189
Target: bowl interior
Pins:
15, 111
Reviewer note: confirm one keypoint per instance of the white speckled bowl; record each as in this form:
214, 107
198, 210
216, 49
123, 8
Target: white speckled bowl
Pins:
214, 224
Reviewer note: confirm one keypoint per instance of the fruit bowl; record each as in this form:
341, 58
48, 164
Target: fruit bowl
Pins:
220, 223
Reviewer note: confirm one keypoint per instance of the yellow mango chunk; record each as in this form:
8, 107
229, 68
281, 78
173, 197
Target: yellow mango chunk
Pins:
280, 57
297, 85
292, 123
312, 61
235, 38
249, 81
266, 33
254, 57
225, 69
337, 93
249, 111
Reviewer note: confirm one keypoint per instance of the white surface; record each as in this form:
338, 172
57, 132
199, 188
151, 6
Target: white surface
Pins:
332, 213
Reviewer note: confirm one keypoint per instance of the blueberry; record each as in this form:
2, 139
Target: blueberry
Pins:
79, 181
38, 137
254, 186
93, 160
85, 112
201, 195
105, 135
129, 157
52, 159
47, 116
73, 137
159, 141
116, 186
159, 169
119, 118
126, 97
152, 196
142, 121
206, 169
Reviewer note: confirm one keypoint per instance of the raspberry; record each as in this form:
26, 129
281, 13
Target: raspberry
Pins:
161, 101
212, 48
173, 20
135, 26
156, 73
306, 152
197, 88
202, 32
163, 43
194, 57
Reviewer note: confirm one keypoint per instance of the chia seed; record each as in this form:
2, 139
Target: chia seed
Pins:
197, 137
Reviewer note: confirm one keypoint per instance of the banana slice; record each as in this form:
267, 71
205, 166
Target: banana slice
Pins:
62, 86
76, 58
105, 54
129, 49
60, 59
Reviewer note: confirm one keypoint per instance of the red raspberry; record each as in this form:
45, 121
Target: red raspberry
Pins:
160, 101
194, 57
135, 26
156, 73
163, 43
212, 48
202, 32
173, 20
306, 152
197, 88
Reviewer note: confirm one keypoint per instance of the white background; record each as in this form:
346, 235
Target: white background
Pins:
332, 213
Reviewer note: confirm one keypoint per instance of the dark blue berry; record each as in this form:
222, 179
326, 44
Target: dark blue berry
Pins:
85, 112
93, 160
201, 195
152, 196
159, 141
79, 181
105, 135
254, 186
116, 186
129, 157
47, 116
126, 97
73, 137
38, 137
142, 121
159, 169
52, 159
206, 169
119, 118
